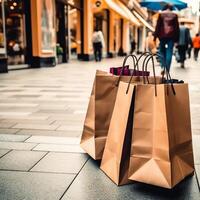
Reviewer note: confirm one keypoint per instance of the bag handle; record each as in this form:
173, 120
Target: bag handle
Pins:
124, 64
149, 57
139, 58
168, 76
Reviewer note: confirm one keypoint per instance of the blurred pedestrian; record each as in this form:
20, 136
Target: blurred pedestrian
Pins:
98, 44
190, 46
133, 45
167, 30
196, 46
150, 45
183, 43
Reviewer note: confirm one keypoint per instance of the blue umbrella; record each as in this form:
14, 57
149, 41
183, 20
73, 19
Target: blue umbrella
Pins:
159, 4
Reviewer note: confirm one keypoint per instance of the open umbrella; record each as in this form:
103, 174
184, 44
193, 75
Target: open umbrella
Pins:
159, 4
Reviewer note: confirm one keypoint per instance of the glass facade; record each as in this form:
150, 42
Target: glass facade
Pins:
15, 31
2, 30
68, 28
48, 26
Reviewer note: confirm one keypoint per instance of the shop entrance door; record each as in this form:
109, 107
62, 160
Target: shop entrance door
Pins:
69, 29
101, 21
15, 32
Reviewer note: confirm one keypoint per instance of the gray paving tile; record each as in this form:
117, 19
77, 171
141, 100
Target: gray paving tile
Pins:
61, 163
196, 148
5, 114
31, 117
59, 148
3, 152
70, 128
18, 104
197, 169
53, 140
28, 121
50, 133
6, 124
26, 96
8, 131
20, 160
36, 126
196, 131
17, 145
33, 186
13, 138
92, 183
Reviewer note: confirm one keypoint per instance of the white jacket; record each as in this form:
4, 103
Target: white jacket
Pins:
98, 37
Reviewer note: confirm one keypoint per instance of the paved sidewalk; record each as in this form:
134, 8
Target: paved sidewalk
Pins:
41, 118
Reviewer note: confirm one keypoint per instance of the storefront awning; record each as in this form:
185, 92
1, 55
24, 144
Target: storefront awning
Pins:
130, 15
121, 10
134, 4
144, 22
116, 8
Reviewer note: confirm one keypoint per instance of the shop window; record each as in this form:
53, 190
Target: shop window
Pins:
68, 29
101, 22
48, 26
2, 31
15, 31
74, 31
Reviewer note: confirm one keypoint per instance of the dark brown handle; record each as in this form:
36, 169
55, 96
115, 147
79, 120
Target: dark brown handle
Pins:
123, 66
168, 76
139, 58
149, 57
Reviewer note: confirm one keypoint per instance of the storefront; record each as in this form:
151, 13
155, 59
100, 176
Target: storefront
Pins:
46, 32
101, 21
117, 19
43, 25
69, 29
15, 32
3, 56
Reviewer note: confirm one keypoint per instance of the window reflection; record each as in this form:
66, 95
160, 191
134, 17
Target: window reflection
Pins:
2, 36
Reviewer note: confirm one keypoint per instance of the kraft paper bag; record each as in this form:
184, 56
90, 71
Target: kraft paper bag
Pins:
161, 149
100, 108
115, 160
116, 154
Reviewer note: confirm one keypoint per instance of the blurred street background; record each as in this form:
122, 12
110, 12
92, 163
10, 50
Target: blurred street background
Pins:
47, 66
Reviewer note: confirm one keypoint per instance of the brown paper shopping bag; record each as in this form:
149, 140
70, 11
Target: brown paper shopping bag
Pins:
100, 110
161, 150
116, 156
115, 160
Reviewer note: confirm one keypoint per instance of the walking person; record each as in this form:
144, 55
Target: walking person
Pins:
190, 46
98, 44
183, 43
196, 46
167, 30
133, 45
150, 45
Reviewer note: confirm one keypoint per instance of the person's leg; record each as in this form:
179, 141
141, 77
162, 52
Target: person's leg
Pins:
198, 53
100, 54
95, 52
169, 53
162, 51
182, 53
189, 52
195, 53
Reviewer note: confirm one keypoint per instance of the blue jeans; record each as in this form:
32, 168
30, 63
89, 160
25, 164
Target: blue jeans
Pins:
166, 50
